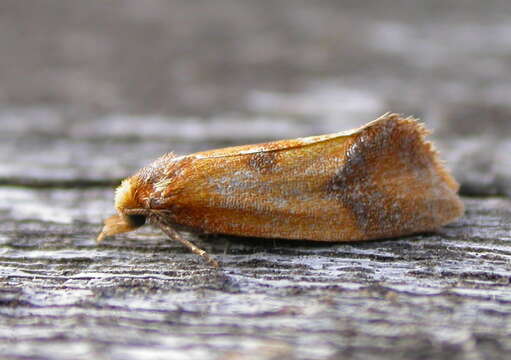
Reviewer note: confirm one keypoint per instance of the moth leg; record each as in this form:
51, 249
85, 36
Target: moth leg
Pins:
174, 235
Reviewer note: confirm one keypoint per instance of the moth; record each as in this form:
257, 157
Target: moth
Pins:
382, 180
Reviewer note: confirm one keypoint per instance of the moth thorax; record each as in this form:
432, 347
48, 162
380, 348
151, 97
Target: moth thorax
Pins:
125, 195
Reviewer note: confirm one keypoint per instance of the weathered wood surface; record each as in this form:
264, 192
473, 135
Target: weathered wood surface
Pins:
143, 297
76, 71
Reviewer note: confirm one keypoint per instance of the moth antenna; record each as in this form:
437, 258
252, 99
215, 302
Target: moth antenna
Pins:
174, 235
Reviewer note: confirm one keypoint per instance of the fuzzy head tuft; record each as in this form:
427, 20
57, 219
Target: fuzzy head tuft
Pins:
125, 195
125, 199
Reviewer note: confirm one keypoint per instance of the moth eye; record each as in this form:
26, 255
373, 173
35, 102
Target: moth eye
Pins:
136, 220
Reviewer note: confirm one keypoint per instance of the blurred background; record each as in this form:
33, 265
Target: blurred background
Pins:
92, 90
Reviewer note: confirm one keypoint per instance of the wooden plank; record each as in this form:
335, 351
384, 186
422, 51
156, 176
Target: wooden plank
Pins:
416, 297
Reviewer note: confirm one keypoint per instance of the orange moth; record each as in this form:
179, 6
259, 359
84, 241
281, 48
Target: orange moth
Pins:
381, 180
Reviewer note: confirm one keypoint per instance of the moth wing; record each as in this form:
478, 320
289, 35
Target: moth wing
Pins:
381, 180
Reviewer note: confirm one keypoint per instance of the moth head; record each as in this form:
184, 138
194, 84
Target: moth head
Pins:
124, 220
126, 195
